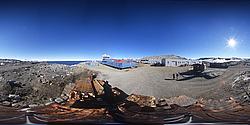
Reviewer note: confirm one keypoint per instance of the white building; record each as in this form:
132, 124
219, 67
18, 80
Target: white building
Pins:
220, 62
175, 62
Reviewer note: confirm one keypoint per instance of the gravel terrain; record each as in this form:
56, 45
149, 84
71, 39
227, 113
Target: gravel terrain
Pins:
29, 84
157, 81
215, 95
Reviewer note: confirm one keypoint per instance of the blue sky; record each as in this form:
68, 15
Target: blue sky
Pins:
86, 29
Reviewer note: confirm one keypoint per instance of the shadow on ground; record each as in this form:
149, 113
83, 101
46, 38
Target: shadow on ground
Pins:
194, 74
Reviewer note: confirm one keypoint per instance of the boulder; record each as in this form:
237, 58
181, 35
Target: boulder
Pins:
3, 98
161, 102
15, 105
15, 101
65, 98
14, 84
14, 97
1, 78
6, 103
59, 100
33, 105
51, 99
48, 103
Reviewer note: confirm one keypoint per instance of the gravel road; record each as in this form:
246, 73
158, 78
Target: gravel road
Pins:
156, 81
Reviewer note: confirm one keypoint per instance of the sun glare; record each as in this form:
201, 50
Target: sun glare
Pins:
231, 43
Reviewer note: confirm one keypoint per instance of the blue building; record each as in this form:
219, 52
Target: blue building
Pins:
118, 63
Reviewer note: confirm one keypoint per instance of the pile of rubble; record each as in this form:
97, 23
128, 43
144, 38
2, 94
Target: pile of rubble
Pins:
28, 84
141, 100
179, 100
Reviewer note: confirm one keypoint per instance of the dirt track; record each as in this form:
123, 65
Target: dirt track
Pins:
155, 81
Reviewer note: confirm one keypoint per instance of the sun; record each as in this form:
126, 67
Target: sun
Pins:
231, 43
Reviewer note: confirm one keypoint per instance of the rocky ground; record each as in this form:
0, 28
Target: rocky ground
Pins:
47, 88
241, 86
28, 84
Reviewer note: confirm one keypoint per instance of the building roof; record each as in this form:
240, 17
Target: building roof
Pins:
176, 59
119, 60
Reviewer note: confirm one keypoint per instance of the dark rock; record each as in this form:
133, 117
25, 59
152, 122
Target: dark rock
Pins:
161, 102
14, 84
147, 109
3, 98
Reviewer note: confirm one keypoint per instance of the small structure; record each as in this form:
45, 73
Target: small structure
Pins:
145, 61
199, 67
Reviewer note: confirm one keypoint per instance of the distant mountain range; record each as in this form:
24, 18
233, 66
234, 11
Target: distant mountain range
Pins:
161, 57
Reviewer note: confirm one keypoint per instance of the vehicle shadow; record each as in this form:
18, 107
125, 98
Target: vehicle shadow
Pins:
193, 74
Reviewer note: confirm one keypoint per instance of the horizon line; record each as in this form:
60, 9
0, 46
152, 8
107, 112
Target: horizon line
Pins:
97, 59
